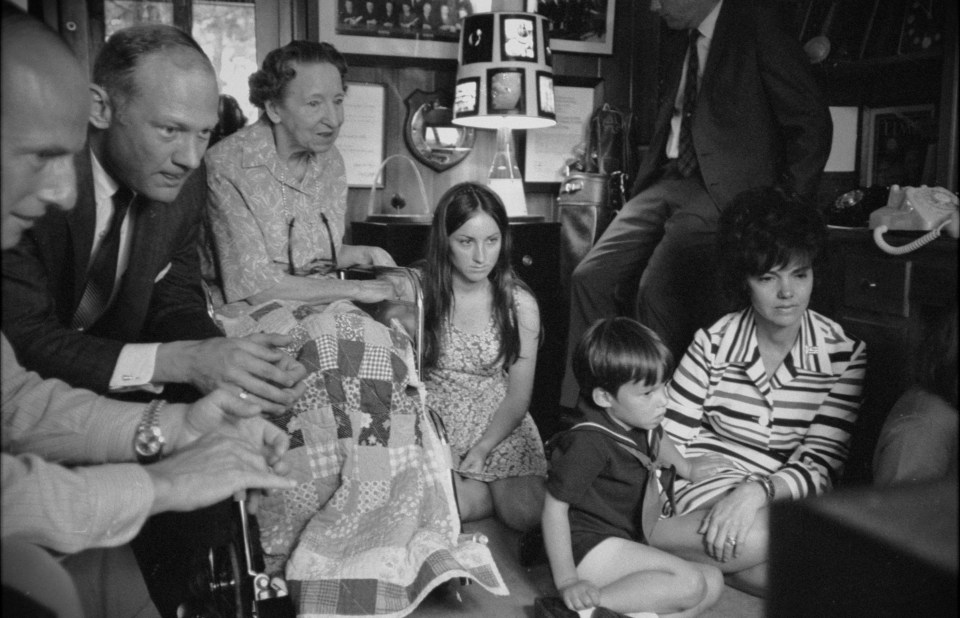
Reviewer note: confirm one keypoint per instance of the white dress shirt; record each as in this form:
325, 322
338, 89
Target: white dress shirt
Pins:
706, 28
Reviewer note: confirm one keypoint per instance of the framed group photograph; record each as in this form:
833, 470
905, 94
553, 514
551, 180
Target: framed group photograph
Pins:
431, 30
578, 26
428, 30
899, 146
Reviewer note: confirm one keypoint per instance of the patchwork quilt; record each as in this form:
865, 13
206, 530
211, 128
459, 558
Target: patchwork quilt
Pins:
372, 527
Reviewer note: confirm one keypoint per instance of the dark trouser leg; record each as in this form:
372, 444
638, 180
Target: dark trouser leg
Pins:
604, 284
678, 291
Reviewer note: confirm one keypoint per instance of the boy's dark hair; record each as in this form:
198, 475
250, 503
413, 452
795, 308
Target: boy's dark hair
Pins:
763, 229
619, 351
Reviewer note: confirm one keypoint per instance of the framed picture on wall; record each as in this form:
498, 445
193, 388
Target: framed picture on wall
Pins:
578, 26
363, 27
899, 146
548, 151
361, 137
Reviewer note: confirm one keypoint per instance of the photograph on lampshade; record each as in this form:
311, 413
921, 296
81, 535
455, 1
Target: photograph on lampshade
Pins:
478, 39
518, 38
545, 102
466, 99
505, 92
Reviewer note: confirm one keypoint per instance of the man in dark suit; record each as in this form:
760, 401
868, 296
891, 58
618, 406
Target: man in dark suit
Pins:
148, 133
754, 117
108, 296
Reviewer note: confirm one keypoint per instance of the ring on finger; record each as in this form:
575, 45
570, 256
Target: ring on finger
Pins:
732, 542
243, 394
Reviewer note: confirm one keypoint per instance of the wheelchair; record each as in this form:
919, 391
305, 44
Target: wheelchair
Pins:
229, 580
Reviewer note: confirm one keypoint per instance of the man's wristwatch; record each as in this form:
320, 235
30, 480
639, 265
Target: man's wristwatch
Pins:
148, 441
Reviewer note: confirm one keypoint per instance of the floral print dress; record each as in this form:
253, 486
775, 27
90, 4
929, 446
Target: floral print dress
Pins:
465, 389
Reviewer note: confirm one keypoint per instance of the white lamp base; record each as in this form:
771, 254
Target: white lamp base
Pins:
511, 194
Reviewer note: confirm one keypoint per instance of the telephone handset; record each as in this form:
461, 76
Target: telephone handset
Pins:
916, 208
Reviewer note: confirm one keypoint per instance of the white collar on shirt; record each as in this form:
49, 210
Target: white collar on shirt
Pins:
104, 186
709, 23
738, 341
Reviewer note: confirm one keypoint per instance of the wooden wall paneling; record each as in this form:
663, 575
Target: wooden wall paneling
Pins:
947, 145
72, 21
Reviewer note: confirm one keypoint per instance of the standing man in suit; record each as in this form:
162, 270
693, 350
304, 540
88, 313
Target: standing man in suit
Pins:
741, 110
108, 296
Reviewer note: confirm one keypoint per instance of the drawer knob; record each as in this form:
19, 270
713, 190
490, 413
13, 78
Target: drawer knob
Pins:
866, 285
526, 260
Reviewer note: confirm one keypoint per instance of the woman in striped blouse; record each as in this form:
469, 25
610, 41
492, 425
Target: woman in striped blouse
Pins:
774, 387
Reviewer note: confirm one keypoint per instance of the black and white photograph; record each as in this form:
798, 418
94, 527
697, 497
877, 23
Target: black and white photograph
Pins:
479, 308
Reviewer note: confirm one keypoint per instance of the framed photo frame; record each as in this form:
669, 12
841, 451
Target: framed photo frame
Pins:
578, 26
547, 151
899, 145
361, 139
338, 28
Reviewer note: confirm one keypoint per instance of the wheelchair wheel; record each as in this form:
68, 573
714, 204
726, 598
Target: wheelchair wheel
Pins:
218, 589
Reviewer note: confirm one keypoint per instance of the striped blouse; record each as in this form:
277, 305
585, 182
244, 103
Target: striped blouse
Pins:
796, 425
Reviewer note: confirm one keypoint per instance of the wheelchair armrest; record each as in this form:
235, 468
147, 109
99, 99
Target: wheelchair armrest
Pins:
407, 308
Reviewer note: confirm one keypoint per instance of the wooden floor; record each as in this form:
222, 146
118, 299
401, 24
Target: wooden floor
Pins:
473, 601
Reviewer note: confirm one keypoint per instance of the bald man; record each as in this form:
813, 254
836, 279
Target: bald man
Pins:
213, 447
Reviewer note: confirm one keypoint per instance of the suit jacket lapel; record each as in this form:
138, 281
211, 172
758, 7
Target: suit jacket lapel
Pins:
723, 32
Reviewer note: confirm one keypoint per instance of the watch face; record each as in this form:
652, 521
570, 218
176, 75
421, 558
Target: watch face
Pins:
148, 444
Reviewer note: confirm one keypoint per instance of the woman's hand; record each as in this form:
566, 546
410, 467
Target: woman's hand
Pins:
580, 594
705, 466
475, 459
726, 526
363, 255
373, 291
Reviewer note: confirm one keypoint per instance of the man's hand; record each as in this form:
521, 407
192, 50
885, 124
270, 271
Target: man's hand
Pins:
223, 413
209, 470
252, 366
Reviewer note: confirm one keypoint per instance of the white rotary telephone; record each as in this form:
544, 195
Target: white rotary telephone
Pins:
916, 208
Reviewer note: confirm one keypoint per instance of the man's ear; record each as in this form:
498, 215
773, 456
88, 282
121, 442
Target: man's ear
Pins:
101, 112
601, 397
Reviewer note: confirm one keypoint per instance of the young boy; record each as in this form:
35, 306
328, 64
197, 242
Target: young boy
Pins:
599, 470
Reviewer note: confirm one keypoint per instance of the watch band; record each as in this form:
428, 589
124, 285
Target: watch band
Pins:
148, 440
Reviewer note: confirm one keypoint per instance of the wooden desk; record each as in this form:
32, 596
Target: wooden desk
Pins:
884, 300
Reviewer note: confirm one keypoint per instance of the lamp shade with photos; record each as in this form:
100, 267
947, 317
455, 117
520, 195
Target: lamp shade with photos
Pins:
505, 82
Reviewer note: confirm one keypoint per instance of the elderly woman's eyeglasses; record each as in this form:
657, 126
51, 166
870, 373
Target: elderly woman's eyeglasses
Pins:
316, 266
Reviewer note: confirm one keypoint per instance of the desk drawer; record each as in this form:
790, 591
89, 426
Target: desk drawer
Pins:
877, 285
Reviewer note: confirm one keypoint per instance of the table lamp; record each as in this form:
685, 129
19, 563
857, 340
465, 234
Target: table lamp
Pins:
505, 82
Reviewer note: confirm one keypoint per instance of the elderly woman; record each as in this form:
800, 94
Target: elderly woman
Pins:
278, 190
375, 500
774, 387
